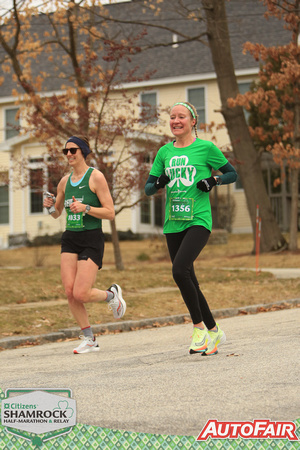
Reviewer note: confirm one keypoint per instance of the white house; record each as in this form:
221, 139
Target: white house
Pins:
184, 72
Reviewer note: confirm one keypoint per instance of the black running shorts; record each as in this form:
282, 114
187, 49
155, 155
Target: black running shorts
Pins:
86, 244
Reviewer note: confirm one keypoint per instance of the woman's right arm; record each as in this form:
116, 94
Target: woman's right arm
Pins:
154, 183
60, 198
150, 188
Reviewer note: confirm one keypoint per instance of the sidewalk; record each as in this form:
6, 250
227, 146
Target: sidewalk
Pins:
145, 380
277, 272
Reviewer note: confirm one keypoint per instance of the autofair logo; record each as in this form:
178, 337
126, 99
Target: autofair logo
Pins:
38, 411
258, 429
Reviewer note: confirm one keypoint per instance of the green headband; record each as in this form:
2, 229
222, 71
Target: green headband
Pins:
187, 106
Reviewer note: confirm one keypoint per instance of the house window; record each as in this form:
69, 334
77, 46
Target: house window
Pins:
4, 204
36, 190
146, 211
12, 123
158, 210
243, 88
44, 175
196, 97
152, 211
149, 107
175, 40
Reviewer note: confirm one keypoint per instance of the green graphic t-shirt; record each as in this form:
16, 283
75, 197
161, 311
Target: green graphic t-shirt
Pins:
185, 204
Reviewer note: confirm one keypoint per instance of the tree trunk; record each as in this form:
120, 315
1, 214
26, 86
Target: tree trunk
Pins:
293, 245
116, 245
249, 168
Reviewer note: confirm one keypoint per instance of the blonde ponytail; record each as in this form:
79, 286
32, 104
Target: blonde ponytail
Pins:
194, 116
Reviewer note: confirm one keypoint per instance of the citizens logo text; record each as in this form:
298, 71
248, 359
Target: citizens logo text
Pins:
258, 429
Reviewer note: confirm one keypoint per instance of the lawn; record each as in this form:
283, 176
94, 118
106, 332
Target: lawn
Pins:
32, 299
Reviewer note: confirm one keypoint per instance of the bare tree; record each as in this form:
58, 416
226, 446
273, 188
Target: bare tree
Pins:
72, 52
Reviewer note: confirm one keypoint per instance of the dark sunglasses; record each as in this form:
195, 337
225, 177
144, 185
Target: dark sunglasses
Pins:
71, 150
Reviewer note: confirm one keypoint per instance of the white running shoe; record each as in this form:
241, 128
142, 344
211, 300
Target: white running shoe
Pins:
117, 304
88, 344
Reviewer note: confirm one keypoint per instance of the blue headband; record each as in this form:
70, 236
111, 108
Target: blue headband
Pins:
187, 106
83, 145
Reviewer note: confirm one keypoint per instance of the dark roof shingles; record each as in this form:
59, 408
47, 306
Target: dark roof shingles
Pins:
245, 21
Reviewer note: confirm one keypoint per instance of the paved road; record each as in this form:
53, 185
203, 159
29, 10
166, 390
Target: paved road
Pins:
145, 380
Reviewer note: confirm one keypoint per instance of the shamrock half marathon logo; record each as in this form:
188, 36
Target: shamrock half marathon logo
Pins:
38, 414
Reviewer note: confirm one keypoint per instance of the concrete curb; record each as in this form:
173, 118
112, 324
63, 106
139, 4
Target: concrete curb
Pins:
132, 325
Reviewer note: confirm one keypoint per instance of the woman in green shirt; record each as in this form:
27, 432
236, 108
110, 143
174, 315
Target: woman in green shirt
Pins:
85, 196
184, 167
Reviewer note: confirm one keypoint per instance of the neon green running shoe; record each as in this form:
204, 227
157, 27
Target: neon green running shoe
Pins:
200, 341
216, 338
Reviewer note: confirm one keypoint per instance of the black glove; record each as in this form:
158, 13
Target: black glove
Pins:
206, 184
162, 181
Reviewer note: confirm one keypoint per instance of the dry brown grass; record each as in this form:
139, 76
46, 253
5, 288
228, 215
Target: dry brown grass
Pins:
32, 299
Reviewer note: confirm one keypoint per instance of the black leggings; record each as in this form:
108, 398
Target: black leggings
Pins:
184, 247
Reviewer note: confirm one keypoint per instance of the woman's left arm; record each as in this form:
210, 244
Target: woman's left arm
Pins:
106, 210
229, 174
